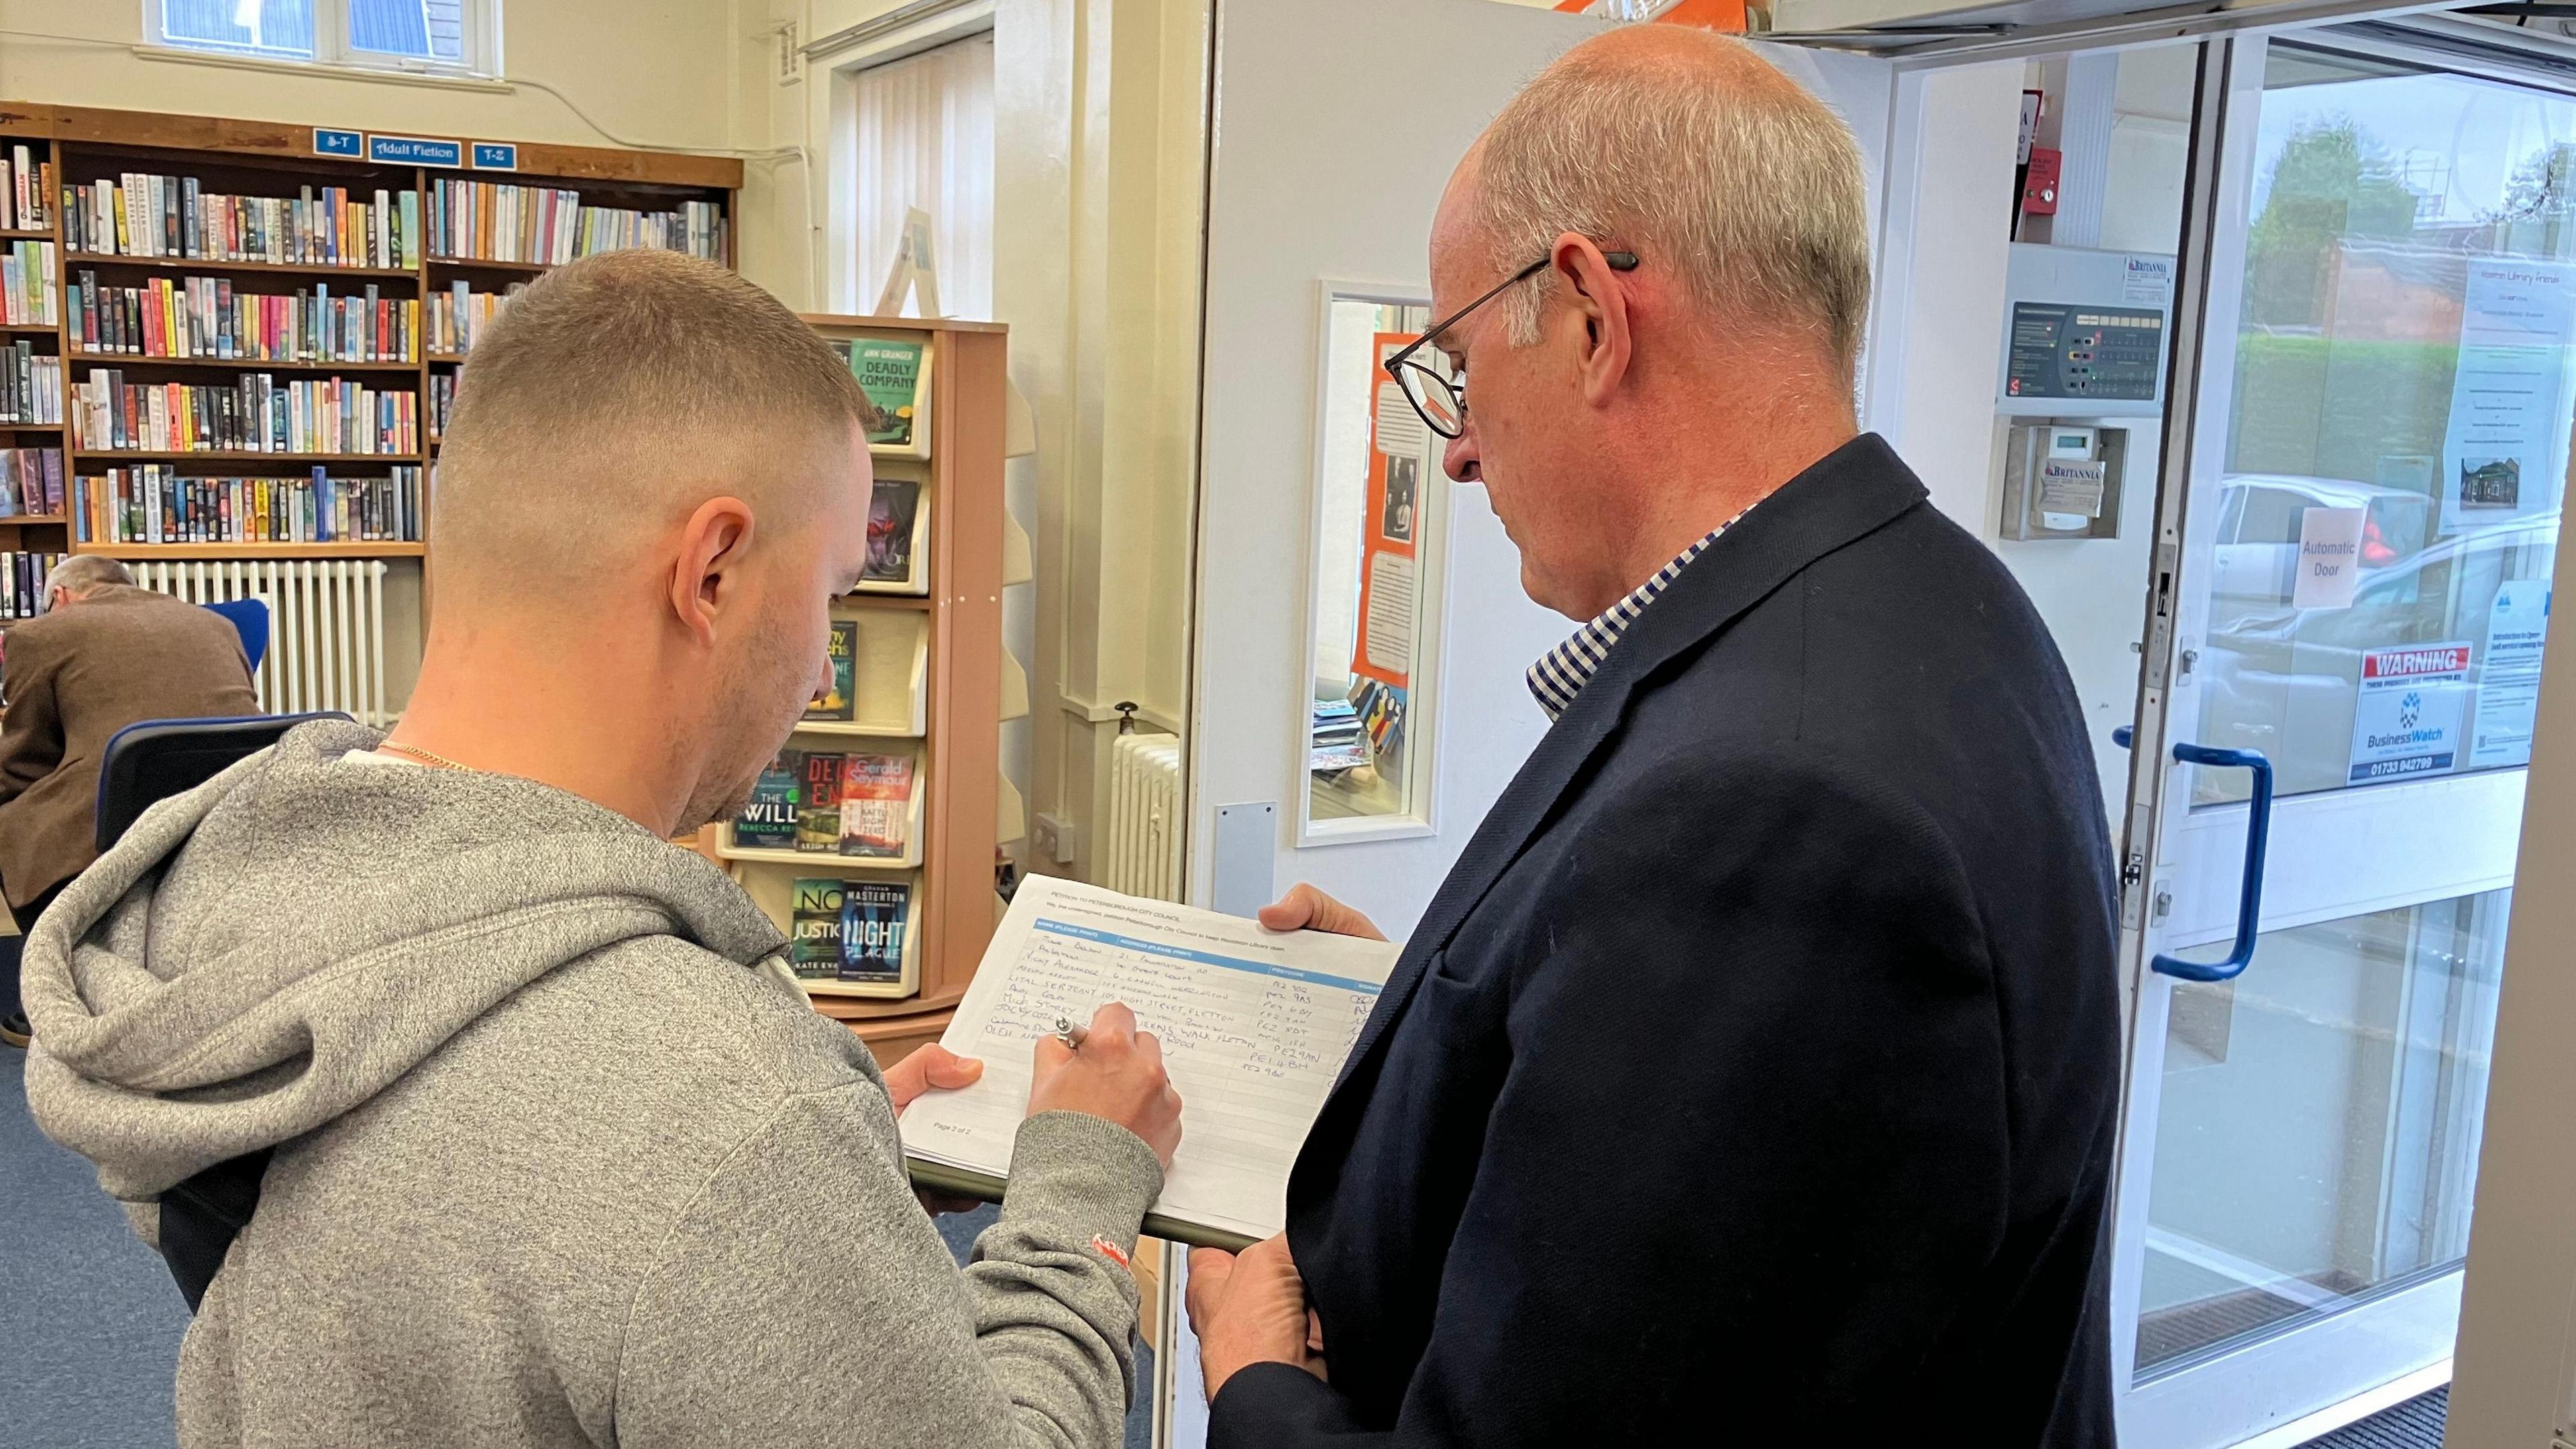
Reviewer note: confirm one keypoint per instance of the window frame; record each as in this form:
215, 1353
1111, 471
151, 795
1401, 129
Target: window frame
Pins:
479, 37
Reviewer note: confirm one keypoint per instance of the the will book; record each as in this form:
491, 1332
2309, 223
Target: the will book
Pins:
770, 818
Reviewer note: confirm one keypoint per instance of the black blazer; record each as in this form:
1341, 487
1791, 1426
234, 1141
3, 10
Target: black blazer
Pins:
1755, 1071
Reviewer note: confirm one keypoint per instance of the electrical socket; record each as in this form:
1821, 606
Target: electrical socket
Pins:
791, 64
1056, 839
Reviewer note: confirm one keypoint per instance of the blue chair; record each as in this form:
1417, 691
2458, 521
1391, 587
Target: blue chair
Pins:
151, 760
249, 618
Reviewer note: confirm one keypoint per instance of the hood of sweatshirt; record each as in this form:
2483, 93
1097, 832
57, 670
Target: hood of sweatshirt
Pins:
270, 950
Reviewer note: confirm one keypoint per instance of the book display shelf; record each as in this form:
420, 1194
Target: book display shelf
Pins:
241, 346
912, 727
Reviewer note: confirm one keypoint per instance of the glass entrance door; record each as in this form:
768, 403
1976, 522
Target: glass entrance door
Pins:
2359, 524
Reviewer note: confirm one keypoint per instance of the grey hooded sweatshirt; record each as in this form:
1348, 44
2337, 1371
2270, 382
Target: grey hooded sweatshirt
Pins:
562, 1155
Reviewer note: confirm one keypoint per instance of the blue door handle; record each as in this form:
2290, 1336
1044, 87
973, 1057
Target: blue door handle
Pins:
2258, 835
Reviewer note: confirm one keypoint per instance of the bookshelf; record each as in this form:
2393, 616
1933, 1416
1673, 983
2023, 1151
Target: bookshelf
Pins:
926, 673
263, 164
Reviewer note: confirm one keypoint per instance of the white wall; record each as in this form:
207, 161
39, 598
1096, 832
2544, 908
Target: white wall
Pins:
1942, 328
654, 72
1098, 200
2516, 1361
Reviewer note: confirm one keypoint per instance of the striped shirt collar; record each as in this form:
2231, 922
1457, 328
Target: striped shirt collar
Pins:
1563, 671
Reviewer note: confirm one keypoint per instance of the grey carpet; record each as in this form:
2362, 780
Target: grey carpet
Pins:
2414, 1424
90, 1322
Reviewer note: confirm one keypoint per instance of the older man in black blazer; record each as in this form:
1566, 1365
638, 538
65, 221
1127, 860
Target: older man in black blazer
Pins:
1752, 1078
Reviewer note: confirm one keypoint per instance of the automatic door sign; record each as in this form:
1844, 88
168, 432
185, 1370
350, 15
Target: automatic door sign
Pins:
2406, 718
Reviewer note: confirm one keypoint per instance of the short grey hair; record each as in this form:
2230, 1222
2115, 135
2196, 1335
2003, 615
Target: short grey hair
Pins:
1717, 165
83, 572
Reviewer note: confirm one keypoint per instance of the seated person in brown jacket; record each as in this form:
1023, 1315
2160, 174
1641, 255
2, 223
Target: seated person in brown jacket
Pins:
103, 655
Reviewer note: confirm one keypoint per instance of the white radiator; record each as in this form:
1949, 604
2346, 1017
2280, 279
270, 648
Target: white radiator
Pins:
326, 627
1140, 850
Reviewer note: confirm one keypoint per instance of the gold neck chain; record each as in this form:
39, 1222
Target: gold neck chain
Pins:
424, 756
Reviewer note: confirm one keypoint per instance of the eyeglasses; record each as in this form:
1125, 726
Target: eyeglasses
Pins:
1442, 403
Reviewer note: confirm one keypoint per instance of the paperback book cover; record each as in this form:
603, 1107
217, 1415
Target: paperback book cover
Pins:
874, 917
876, 806
889, 372
841, 701
892, 512
814, 932
818, 813
770, 820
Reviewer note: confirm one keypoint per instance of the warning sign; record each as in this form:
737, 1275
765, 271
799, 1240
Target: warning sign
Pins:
2406, 719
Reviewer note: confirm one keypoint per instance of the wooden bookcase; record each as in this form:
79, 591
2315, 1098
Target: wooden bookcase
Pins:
950, 690
263, 158
952, 718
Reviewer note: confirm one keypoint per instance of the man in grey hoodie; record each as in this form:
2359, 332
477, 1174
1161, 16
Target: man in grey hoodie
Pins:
561, 1154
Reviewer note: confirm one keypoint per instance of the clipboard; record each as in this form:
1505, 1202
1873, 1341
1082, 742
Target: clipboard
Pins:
940, 1177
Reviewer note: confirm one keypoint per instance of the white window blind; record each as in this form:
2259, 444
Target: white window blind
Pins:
924, 138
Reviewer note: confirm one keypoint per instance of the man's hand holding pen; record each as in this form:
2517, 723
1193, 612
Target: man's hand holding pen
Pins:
1112, 1071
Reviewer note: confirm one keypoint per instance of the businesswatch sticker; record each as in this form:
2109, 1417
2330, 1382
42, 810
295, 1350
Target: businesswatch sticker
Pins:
2406, 717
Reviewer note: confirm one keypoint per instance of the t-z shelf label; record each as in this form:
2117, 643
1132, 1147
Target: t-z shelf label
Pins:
495, 156
414, 151
338, 143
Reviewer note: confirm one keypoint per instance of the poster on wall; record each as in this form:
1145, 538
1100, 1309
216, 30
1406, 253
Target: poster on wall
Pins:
1390, 522
2506, 444
2509, 685
2406, 719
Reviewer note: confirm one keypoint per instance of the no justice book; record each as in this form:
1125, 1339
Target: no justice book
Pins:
849, 930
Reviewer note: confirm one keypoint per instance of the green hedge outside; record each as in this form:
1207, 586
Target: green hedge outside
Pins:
2322, 408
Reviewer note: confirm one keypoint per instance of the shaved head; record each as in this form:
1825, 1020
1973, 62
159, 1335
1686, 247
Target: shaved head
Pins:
612, 398
652, 490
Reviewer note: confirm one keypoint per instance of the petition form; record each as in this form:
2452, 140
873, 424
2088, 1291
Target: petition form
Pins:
1254, 1024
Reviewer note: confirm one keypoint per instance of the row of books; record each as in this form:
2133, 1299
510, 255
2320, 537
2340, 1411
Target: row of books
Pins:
206, 317
31, 385
142, 215
27, 283
855, 804
442, 401
497, 222
851, 931
254, 413
458, 315
153, 503
31, 481
22, 582
25, 182
1335, 743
